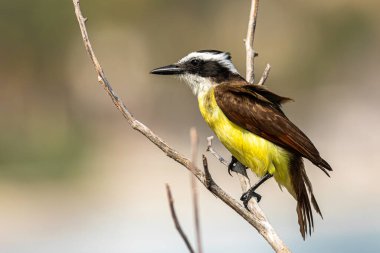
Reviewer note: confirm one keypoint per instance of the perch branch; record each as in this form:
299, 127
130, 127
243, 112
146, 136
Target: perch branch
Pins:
175, 220
258, 221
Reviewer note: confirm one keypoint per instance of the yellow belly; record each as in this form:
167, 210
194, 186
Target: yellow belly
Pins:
259, 154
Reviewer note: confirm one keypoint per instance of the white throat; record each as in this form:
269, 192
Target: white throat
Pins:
198, 85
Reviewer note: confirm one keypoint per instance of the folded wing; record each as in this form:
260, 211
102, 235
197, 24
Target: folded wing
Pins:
259, 111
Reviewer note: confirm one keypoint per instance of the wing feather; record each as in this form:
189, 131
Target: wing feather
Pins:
260, 113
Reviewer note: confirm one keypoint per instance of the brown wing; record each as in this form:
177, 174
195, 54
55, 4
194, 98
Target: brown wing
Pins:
260, 113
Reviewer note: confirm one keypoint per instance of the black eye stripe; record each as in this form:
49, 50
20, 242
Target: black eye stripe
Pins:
195, 62
207, 68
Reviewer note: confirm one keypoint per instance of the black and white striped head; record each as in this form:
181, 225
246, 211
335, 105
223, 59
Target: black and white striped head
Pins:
201, 69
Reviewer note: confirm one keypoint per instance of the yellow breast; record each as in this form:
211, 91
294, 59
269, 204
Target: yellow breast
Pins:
259, 154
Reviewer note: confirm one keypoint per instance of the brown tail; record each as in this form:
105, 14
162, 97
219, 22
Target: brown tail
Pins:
302, 188
324, 166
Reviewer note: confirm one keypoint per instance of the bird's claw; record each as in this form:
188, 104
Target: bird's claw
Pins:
231, 166
248, 195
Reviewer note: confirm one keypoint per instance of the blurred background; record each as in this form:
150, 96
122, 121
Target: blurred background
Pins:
74, 177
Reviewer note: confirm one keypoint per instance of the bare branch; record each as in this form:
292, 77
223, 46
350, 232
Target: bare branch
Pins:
214, 153
257, 220
250, 51
175, 220
194, 190
250, 58
265, 75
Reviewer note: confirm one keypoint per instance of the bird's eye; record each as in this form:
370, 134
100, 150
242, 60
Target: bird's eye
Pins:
195, 62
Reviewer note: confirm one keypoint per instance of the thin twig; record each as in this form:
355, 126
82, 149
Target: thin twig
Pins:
258, 221
214, 153
265, 75
175, 220
194, 189
250, 51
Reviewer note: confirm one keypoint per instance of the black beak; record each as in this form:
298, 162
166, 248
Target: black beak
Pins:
168, 70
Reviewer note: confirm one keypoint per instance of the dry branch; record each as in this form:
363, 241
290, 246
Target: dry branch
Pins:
265, 75
175, 220
250, 52
256, 218
214, 153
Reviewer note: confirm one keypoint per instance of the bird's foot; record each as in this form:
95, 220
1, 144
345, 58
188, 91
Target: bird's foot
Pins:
248, 195
232, 165
251, 192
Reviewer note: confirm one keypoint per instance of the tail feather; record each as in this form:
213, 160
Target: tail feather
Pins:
310, 189
302, 188
315, 205
324, 166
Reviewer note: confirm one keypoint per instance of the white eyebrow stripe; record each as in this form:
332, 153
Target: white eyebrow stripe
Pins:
222, 58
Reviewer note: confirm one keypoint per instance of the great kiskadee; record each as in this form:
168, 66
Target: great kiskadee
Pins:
249, 122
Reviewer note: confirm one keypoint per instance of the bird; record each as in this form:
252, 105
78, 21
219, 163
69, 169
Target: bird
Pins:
249, 121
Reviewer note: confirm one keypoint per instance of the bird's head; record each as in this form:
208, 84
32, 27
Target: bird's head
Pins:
201, 69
